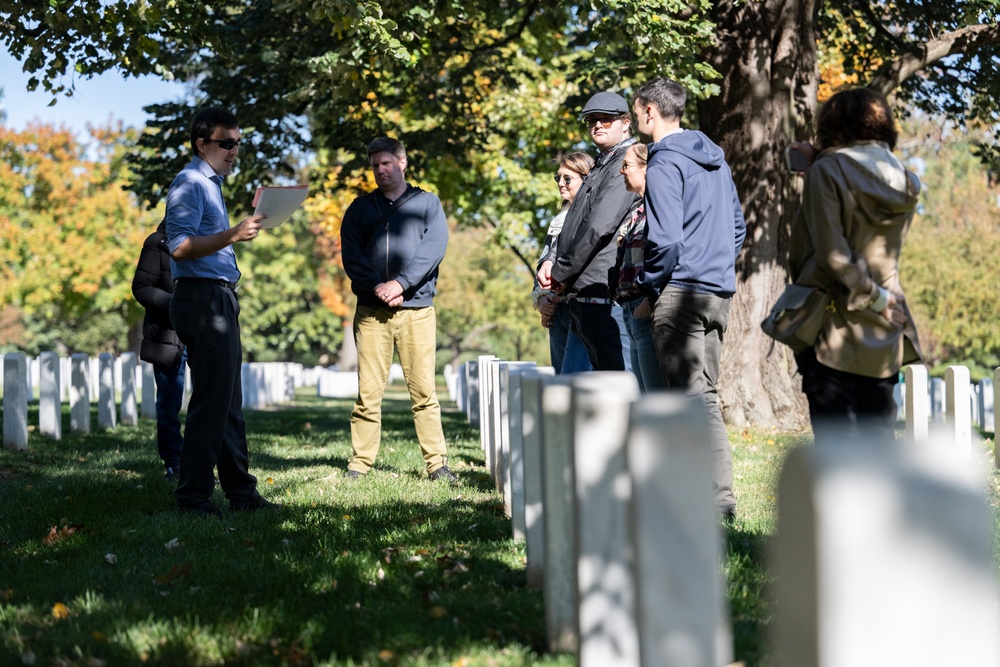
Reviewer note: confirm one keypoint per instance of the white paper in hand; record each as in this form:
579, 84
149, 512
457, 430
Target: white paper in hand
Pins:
278, 203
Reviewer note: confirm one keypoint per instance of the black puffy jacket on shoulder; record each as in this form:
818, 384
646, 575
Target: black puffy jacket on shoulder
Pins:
152, 286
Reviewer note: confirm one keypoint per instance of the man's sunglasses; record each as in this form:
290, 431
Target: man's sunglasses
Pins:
566, 179
224, 144
605, 122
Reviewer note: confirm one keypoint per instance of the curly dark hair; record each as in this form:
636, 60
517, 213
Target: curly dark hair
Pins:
861, 114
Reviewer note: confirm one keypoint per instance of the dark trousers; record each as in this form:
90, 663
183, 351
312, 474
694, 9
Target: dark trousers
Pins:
688, 328
844, 407
598, 329
169, 396
206, 318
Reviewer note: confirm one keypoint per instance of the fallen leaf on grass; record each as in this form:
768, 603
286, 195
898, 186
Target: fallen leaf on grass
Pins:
111, 559
270, 480
56, 534
385, 655
172, 544
438, 612
176, 572
60, 611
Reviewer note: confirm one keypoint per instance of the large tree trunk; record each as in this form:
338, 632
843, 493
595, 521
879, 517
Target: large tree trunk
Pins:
766, 53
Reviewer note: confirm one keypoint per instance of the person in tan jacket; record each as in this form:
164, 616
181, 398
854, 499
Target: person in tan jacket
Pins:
857, 206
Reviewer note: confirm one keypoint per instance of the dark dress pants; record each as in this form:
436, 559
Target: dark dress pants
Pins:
206, 318
844, 407
688, 328
598, 329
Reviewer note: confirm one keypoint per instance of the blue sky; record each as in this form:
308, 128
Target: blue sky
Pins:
97, 100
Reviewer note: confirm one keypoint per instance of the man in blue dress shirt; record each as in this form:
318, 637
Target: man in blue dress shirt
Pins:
204, 310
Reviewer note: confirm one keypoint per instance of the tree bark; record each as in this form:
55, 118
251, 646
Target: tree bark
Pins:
766, 52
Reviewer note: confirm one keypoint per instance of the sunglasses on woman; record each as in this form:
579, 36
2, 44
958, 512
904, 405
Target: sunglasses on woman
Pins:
565, 179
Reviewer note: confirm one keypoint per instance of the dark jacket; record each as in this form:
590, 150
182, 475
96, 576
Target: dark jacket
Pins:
694, 222
407, 246
587, 248
152, 287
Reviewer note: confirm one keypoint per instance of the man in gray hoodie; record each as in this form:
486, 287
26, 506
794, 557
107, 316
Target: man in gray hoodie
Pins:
695, 229
392, 242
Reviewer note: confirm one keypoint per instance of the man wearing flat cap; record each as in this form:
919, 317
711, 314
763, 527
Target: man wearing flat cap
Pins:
586, 253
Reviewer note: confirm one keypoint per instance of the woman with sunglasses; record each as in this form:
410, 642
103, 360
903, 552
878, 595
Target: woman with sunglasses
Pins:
628, 270
565, 347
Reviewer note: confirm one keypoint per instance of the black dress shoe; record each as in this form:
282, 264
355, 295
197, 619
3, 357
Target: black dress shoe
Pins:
251, 504
205, 508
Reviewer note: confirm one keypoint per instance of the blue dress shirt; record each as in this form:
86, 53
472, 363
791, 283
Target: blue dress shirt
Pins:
195, 208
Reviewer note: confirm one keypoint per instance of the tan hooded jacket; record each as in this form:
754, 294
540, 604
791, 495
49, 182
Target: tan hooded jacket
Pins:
857, 206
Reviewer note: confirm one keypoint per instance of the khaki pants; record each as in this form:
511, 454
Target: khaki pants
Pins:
412, 331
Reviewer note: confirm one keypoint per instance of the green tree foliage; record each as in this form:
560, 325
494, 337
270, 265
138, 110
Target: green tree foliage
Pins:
485, 93
282, 314
949, 265
483, 304
69, 239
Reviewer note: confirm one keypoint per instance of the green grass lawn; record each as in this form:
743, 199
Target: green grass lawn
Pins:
97, 568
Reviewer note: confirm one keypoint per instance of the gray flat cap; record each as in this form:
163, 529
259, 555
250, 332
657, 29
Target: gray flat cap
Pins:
606, 102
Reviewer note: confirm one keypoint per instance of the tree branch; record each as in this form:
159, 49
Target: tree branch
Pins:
880, 28
515, 250
522, 25
966, 40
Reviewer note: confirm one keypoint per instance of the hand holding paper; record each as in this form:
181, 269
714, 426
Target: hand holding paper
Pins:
278, 203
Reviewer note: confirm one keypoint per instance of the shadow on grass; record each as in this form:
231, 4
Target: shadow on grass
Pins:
748, 592
387, 570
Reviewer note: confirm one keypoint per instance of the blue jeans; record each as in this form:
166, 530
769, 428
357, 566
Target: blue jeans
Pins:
645, 363
565, 347
169, 395
618, 313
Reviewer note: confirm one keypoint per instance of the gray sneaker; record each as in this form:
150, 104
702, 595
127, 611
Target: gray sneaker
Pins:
443, 474
353, 475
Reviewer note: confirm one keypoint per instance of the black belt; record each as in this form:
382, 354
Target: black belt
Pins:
214, 281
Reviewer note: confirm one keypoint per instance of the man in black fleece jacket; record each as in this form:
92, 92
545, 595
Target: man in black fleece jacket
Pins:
392, 241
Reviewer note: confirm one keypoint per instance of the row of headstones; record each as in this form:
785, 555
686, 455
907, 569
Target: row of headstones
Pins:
59, 379
959, 403
334, 383
982, 400
883, 554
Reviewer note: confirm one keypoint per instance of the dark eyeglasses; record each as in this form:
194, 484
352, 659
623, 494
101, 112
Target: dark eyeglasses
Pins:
603, 121
566, 179
224, 144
